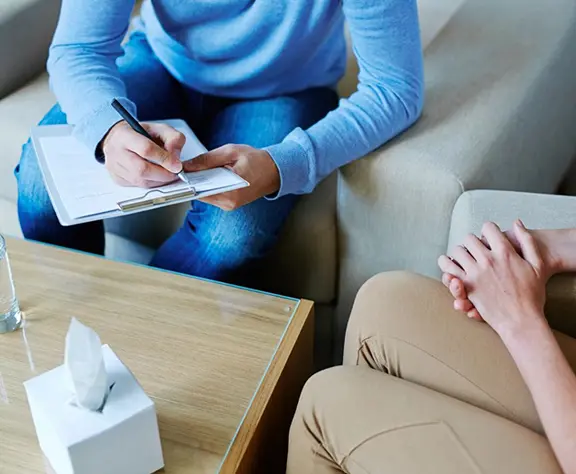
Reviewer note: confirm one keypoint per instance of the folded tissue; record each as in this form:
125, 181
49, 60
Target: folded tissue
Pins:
91, 415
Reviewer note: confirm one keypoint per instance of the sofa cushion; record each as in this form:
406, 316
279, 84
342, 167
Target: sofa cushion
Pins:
26, 29
303, 263
434, 16
123, 249
18, 112
9, 219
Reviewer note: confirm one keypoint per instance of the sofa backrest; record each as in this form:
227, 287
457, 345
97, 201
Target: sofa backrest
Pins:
26, 29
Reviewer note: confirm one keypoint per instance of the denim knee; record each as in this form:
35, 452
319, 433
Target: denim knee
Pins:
221, 245
34, 206
38, 219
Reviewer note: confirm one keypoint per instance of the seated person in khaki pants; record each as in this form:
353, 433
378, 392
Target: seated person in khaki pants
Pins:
424, 389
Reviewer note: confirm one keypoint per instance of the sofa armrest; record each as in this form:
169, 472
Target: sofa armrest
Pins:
26, 30
499, 114
538, 211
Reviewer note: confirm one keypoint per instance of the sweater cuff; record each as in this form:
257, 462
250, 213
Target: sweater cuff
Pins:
292, 163
94, 126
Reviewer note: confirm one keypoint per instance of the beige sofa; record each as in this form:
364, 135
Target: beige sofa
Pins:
500, 109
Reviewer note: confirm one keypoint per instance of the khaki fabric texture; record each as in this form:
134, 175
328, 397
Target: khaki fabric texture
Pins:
355, 420
404, 324
424, 389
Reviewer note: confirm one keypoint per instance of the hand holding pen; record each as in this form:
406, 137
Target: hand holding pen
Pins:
134, 159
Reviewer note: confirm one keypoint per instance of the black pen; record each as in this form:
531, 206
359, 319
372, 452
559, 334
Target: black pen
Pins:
137, 127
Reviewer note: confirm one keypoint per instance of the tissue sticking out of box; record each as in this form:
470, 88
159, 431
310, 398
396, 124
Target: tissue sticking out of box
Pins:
85, 366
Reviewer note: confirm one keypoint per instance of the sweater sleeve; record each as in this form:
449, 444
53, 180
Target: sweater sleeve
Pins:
386, 41
82, 64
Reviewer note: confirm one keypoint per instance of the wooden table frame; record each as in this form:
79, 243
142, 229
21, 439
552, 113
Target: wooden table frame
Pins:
262, 440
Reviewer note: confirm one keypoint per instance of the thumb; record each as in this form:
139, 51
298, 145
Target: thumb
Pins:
528, 245
212, 159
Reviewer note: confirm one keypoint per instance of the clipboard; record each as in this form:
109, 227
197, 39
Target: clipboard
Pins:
118, 201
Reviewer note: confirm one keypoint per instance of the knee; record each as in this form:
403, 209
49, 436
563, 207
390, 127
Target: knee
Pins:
28, 171
318, 386
232, 241
37, 217
328, 396
34, 205
318, 419
386, 305
385, 295
320, 395
35, 209
239, 246
27, 153
390, 286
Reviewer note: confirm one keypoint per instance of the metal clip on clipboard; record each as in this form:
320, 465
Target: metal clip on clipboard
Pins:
142, 203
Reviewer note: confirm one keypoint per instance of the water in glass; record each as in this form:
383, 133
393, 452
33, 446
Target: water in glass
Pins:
10, 316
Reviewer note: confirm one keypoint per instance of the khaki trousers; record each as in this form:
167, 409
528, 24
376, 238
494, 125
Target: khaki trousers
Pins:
423, 389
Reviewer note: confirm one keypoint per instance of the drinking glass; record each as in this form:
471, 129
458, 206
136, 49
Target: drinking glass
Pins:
10, 315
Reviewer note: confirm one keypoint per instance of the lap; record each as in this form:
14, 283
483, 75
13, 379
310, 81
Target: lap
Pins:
157, 95
264, 122
404, 324
223, 245
359, 421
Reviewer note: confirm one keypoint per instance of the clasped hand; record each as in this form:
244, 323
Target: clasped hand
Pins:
133, 160
500, 278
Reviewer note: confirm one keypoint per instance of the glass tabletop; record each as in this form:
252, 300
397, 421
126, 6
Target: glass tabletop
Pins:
199, 349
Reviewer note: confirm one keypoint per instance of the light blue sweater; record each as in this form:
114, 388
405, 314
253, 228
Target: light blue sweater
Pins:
253, 48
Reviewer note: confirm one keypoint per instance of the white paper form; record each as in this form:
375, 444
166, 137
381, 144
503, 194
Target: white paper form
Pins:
86, 188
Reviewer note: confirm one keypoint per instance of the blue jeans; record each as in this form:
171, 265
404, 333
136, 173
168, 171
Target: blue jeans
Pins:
212, 243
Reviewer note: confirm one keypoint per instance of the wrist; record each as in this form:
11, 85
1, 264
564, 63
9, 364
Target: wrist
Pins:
275, 180
528, 326
110, 133
556, 247
99, 152
547, 244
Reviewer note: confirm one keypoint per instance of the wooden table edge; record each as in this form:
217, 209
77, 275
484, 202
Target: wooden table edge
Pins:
301, 323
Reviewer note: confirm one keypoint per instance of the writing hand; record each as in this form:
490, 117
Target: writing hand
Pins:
134, 160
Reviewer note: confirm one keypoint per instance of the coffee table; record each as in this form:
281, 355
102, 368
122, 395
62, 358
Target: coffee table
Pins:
224, 365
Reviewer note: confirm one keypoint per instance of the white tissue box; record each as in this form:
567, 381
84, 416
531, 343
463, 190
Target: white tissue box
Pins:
122, 439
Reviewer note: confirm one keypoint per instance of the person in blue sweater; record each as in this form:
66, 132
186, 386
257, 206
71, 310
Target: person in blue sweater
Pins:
256, 82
